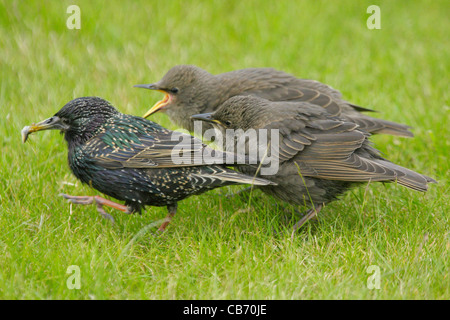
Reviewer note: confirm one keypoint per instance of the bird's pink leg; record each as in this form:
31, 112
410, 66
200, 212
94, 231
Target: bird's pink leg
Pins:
172, 210
100, 202
310, 214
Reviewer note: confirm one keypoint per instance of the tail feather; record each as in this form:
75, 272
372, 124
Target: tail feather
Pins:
395, 129
409, 178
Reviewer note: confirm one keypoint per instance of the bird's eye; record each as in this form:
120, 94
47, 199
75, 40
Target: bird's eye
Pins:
228, 123
174, 90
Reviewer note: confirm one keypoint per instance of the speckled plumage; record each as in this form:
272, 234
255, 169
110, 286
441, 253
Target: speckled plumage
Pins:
130, 158
194, 90
320, 155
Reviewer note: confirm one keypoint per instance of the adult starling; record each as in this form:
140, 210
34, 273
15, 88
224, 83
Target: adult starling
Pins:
191, 90
132, 159
319, 156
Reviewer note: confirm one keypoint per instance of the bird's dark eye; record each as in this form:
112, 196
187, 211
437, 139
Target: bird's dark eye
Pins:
174, 90
228, 123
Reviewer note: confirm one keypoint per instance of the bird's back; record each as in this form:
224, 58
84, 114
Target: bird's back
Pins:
275, 85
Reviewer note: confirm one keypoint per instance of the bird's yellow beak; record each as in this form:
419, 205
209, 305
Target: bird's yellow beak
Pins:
47, 124
160, 104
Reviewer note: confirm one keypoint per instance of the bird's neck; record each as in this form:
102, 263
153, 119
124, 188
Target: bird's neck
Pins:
76, 139
79, 135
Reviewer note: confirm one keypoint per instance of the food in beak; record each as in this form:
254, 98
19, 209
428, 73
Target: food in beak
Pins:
25, 132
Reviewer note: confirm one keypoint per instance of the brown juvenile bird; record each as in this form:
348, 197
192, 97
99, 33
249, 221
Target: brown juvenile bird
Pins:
191, 90
319, 156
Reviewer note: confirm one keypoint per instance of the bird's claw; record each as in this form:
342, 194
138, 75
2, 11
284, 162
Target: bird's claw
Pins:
85, 200
104, 214
78, 199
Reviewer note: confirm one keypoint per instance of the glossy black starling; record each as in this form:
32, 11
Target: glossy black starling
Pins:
132, 159
191, 90
320, 156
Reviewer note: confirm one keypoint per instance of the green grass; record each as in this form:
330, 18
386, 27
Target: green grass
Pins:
219, 248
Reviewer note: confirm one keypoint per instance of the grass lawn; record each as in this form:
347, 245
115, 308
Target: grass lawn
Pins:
220, 248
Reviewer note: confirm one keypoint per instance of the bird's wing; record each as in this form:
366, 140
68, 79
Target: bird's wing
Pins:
296, 93
375, 125
337, 150
275, 85
300, 134
137, 145
333, 105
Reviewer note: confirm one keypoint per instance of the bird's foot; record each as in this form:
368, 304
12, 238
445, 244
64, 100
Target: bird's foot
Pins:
311, 214
172, 209
164, 225
100, 202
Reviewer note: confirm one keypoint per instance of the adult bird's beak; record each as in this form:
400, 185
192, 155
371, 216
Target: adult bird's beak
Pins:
48, 124
207, 117
160, 104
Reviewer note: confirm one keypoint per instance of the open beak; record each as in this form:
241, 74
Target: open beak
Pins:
207, 117
160, 104
48, 124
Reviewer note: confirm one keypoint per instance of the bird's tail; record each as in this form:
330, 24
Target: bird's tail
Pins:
408, 178
394, 128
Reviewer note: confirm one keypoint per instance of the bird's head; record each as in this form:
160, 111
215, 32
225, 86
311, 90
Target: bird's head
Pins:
79, 119
184, 86
239, 122
238, 112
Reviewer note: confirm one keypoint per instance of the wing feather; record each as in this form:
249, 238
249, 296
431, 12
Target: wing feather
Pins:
139, 145
331, 148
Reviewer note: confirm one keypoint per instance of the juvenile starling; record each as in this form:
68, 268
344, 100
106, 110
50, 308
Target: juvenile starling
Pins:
132, 159
191, 90
320, 156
